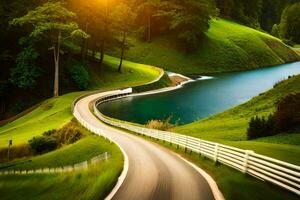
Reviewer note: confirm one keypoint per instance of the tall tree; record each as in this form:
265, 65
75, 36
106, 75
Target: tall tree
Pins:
55, 23
123, 18
147, 10
190, 19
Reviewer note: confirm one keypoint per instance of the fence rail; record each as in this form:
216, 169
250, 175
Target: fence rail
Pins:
70, 168
280, 173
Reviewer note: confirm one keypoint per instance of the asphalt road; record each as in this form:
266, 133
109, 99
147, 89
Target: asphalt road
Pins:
154, 172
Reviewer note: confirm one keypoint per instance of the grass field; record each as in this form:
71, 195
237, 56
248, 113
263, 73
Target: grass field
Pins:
227, 47
230, 126
94, 183
55, 112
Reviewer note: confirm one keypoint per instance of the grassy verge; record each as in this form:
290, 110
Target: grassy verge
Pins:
94, 183
233, 184
230, 126
227, 47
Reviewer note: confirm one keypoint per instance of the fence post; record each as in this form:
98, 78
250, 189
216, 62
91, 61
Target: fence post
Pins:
185, 149
246, 160
200, 148
216, 152
105, 156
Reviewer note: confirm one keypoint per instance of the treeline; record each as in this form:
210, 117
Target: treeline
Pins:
255, 13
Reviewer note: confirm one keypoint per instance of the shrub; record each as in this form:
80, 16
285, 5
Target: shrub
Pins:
80, 75
66, 135
42, 144
260, 127
162, 125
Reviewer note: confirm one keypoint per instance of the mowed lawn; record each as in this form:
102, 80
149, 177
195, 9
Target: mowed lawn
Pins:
227, 46
55, 112
230, 127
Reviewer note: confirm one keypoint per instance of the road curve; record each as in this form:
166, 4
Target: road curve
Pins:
154, 172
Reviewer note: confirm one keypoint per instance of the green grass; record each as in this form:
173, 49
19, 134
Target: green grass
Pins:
227, 47
94, 183
230, 126
55, 112
133, 74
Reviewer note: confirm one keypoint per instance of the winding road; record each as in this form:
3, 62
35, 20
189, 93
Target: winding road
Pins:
154, 172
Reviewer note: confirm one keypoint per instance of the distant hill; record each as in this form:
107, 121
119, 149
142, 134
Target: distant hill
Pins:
228, 46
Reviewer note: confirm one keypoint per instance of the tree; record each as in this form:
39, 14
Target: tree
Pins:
54, 22
190, 19
290, 23
147, 10
123, 20
26, 72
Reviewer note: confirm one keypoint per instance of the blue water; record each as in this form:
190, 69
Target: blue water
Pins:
202, 98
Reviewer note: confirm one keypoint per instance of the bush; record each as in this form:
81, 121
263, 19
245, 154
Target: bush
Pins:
69, 134
80, 75
162, 125
260, 127
42, 144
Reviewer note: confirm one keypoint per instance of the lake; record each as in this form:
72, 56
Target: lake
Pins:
200, 99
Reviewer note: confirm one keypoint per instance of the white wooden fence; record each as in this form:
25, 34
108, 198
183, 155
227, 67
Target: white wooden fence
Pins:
70, 168
280, 173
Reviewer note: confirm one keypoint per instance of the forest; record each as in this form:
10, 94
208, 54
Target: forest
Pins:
48, 46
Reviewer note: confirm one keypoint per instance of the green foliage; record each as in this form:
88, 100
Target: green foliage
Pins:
42, 144
26, 72
80, 75
260, 127
190, 19
49, 16
290, 23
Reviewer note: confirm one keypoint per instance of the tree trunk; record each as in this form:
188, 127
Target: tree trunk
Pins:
84, 43
122, 51
149, 28
56, 52
102, 52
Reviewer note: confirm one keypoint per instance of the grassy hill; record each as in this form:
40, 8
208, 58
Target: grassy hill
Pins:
55, 112
227, 47
94, 183
230, 126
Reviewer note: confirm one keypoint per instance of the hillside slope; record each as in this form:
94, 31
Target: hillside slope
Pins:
55, 112
227, 47
230, 126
